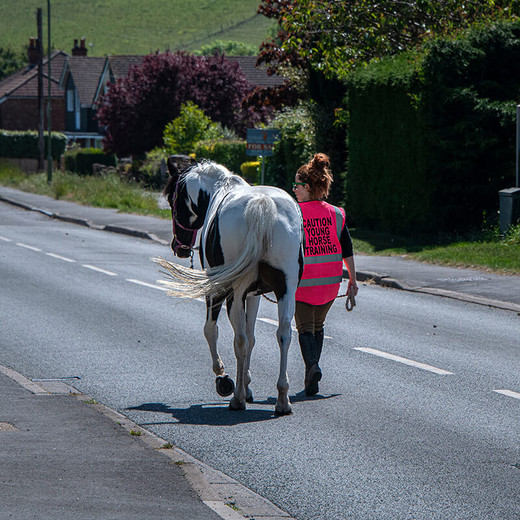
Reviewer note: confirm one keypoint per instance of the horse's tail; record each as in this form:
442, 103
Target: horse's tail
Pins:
260, 214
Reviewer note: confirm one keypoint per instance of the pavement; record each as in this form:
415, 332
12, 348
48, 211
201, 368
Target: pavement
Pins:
65, 456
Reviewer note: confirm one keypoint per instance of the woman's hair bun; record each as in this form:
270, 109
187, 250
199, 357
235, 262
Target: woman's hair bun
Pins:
320, 161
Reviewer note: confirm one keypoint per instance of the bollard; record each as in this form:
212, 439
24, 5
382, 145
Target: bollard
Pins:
509, 208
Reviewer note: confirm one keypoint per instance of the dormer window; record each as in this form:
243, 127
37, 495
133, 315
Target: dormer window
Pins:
70, 100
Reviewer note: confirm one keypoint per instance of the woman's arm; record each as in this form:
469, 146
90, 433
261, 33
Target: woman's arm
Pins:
351, 268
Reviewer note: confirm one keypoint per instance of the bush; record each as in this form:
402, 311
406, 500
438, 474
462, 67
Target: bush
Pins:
250, 171
231, 153
81, 161
24, 145
147, 172
295, 147
192, 125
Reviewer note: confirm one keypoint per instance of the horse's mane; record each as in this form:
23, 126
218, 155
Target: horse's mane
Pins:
169, 189
216, 174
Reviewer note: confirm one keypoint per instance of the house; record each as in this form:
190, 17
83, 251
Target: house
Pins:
19, 93
256, 75
78, 82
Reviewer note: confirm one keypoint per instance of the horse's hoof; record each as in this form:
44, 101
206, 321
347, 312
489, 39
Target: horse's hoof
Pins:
235, 404
249, 397
225, 385
282, 412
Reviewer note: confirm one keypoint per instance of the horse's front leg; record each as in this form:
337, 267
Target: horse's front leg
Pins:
252, 304
237, 318
286, 307
224, 384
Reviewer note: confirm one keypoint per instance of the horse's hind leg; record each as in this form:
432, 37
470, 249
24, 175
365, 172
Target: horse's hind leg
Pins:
252, 304
224, 384
237, 317
283, 334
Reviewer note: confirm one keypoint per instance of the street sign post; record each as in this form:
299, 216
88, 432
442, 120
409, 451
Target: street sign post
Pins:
260, 142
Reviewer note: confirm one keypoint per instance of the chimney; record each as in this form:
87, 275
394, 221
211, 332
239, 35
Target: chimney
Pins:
81, 49
33, 52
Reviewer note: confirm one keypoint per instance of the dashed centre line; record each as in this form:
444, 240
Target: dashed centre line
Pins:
26, 246
146, 284
403, 360
274, 322
99, 270
508, 393
59, 257
372, 351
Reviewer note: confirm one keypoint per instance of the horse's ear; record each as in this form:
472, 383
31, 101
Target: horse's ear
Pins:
178, 164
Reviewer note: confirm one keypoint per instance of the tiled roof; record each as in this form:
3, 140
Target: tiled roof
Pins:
120, 65
24, 83
86, 73
256, 75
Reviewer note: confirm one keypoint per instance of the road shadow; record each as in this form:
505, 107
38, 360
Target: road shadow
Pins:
211, 414
219, 414
298, 398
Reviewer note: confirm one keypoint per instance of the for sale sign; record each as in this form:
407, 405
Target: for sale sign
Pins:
260, 141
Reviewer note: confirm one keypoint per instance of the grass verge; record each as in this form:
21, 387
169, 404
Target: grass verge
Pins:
483, 250
105, 192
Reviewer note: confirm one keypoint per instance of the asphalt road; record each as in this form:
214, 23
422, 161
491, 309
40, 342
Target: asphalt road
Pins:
418, 416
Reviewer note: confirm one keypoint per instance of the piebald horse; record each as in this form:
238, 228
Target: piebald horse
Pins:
251, 243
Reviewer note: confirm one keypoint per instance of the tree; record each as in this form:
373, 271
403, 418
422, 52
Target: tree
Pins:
192, 125
136, 109
231, 48
335, 35
10, 61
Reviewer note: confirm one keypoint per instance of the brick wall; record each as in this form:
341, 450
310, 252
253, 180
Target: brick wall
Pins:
22, 114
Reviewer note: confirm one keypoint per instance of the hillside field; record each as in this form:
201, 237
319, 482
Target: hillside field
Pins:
133, 26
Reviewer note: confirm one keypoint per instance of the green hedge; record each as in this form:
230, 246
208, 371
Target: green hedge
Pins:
24, 145
81, 161
229, 153
431, 134
389, 183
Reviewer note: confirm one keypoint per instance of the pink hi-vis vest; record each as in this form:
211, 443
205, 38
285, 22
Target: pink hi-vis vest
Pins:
323, 263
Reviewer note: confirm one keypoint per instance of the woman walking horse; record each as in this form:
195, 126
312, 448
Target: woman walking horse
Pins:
250, 244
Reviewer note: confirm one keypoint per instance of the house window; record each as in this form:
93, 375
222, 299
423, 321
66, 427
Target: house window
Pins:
70, 101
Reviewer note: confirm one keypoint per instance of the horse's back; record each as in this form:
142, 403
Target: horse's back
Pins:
268, 209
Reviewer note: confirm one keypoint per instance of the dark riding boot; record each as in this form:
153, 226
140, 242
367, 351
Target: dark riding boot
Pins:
312, 369
318, 338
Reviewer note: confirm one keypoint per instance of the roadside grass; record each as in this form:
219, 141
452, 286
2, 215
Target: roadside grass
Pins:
105, 192
480, 250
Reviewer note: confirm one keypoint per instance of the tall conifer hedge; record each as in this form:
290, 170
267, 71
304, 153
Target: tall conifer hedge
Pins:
431, 134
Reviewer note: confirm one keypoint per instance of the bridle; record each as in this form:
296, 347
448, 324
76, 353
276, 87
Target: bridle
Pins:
176, 243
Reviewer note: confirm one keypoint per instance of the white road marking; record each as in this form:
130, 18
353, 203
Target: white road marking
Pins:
275, 323
59, 257
99, 270
146, 284
403, 360
509, 393
32, 248
5, 239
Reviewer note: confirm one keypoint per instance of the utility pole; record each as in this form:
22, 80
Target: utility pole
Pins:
49, 126
41, 144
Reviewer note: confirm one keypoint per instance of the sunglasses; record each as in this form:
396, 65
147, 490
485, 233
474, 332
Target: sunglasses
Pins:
294, 184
